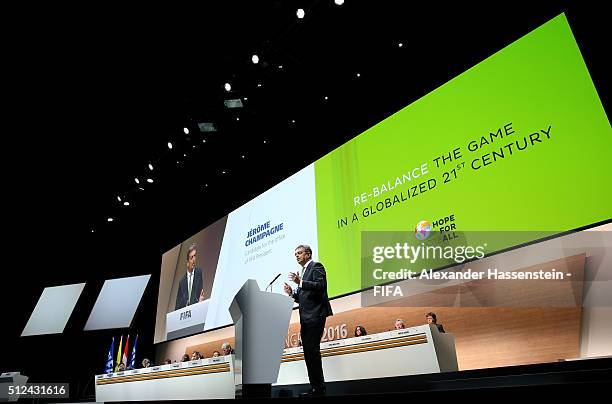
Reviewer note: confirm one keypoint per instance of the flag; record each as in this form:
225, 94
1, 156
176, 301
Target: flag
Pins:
109, 358
119, 355
125, 352
133, 356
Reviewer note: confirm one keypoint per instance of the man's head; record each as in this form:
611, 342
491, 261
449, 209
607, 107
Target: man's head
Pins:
431, 318
227, 348
192, 253
121, 367
167, 362
399, 324
195, 356
146, 363
303, 253
216, 354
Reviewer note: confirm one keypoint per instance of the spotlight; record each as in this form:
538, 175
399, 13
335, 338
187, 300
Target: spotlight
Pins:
119, 198
149, 180
400, 44
186, 131
258, 84
358, 75
151, 167
339, 2
207, 126
169, 145
300, 13
255, 59
137, 180
228, 87
326, 98
126, 203
235, 103
110, 219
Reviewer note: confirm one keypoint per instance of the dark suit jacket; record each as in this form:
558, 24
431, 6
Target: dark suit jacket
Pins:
183, 290
312, 295
440, 328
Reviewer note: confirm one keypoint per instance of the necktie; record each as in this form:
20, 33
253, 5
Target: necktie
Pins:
189, 288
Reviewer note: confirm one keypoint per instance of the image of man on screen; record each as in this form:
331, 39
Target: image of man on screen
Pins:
190, 288
311, 294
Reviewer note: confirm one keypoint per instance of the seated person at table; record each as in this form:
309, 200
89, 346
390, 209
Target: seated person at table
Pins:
195, 356
146, 363
227, 349
360, 331
399, 324
121, 367
432, 319
216, 354
167, 362
185, 358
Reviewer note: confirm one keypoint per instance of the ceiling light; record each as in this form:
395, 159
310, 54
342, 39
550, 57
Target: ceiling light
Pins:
169, 145
255, 59
151, 167
300, 13
149, 180
186, 131
228, 87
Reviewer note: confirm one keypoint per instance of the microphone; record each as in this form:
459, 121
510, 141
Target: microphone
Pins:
270, 284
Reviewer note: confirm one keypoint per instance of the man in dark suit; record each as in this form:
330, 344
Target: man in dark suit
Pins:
311, 294
190, 289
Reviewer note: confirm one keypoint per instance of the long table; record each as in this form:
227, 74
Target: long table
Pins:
211, 378
415, 350
411, 351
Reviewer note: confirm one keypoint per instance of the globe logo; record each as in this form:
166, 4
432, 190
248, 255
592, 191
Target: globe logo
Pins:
422, 230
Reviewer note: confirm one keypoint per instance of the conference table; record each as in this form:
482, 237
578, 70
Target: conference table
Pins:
211, 378
411, 351
415, 350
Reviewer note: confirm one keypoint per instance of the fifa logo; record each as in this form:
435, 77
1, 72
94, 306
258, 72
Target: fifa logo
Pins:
185, 315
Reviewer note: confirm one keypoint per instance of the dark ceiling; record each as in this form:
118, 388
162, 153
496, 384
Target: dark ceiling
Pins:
95, 95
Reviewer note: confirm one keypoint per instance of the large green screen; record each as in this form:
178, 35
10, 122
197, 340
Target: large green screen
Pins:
519, 142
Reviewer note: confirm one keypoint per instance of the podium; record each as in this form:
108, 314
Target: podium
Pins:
186, 321
11, 378
261, 322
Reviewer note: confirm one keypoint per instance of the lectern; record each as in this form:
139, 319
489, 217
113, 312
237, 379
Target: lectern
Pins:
11, 378
261, 322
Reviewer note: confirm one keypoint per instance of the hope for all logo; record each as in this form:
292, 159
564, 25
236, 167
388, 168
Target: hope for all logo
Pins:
422, 231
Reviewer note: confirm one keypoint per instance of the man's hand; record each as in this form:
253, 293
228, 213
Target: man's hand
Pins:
288, 289
294, 277
201, 299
